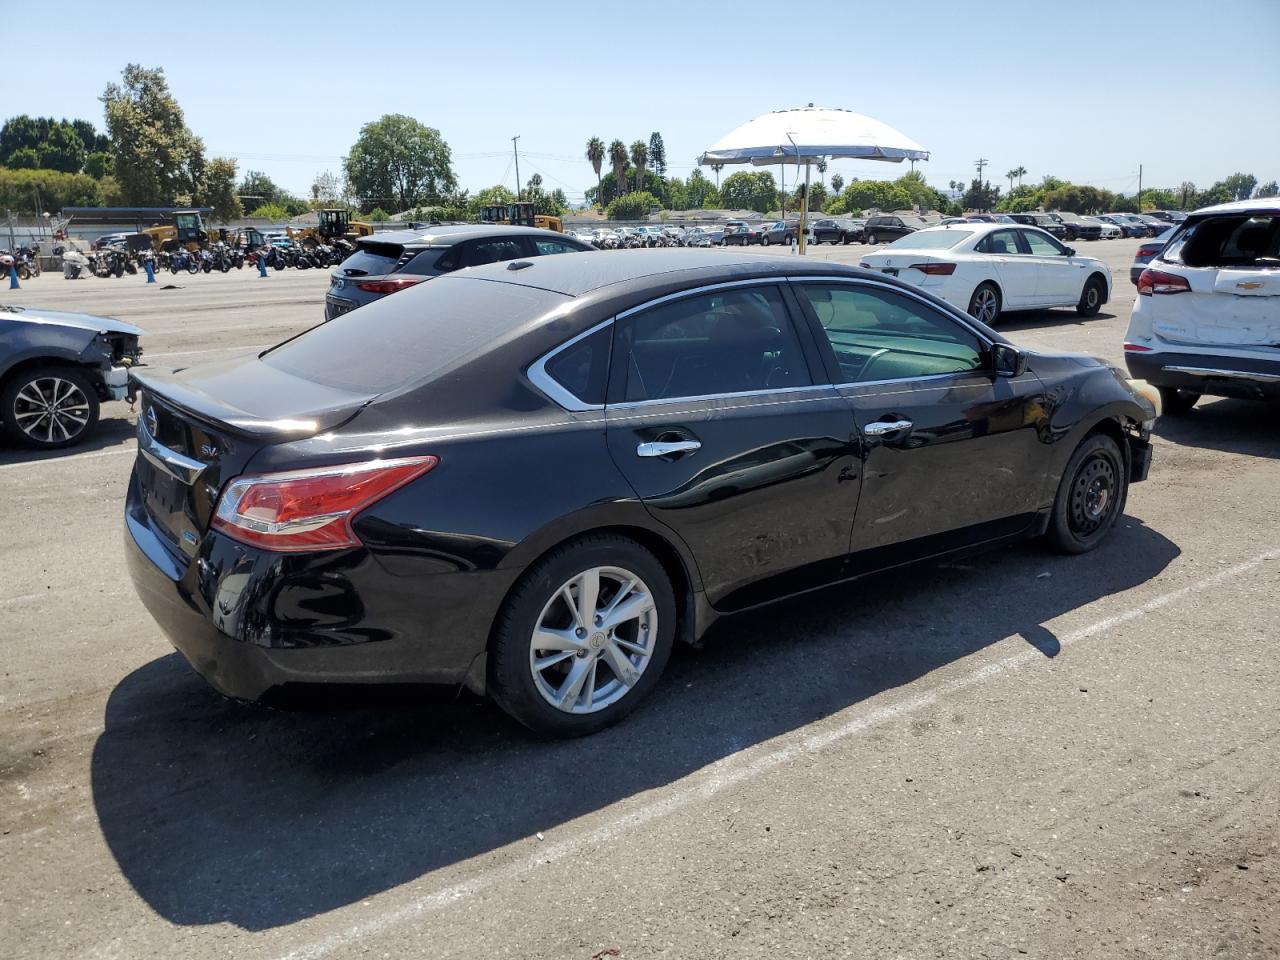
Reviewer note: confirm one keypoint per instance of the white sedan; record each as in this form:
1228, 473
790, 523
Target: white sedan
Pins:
1109, 230
990, 268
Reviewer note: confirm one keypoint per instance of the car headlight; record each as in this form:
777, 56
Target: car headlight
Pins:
1150, 393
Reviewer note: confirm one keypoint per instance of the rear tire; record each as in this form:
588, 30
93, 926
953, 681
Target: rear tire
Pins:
985, 304
524, 677
1091, 297
1175, 402
871, 239
1091, 496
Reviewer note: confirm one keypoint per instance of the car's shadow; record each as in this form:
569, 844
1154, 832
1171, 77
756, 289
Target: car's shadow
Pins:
223, 812
115, 429
1248, 427
1028, 321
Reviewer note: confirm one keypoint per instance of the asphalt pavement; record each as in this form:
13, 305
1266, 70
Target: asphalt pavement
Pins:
1019, 754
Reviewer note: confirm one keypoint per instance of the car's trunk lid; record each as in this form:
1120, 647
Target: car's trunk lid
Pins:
191, 440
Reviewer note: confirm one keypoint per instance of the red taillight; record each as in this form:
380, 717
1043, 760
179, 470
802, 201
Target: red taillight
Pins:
1157, 281
310, 509
935, 269
389, 286
1136, 348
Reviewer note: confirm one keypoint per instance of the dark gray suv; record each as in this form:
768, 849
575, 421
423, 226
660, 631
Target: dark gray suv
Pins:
393, 260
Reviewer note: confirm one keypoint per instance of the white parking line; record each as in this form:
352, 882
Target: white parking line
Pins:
71, 459
744, 766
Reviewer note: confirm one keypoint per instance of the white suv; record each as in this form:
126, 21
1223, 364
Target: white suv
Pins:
1207, 316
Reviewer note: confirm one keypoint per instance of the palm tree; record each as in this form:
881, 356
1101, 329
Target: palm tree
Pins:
639, 157
1011, 174
837, 184
1019, 172
595, 153
717, 167
618, 158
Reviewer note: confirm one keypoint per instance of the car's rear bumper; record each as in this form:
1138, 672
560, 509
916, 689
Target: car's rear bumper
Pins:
1208, 373
248, 620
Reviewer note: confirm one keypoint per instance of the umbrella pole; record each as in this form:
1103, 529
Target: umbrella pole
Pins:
804, 208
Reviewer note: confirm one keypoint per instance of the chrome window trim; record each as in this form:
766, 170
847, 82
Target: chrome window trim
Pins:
538, 376
633, 404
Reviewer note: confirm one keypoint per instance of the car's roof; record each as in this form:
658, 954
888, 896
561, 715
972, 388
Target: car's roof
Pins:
1256, 205
447, 234
577, 274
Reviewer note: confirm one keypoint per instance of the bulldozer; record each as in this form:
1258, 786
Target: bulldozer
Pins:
186, 231
335, 224
520, 214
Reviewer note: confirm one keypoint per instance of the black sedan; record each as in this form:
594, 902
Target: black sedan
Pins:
1044, 221
534, 478
745, 235
837, 231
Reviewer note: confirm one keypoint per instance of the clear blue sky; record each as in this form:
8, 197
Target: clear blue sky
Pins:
1085, 91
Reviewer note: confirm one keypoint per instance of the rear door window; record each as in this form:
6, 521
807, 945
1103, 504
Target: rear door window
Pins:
425, 262
726, 342
476, 253
1228, 241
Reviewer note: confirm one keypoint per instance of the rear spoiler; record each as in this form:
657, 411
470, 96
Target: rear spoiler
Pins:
224, 416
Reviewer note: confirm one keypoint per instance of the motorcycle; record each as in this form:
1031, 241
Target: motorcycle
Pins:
27, 261
183, 259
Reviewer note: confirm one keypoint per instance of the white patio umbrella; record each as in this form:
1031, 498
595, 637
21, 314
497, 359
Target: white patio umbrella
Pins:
805, 134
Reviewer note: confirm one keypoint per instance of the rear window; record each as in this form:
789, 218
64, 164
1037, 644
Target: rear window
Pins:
372, 260
932, 239
1227, 241
412, 336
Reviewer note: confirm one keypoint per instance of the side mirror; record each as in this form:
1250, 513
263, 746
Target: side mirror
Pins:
1008, 360
1071, 251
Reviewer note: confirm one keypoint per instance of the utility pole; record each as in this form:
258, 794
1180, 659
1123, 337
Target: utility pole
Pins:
980, 163
516, 150
1139, 188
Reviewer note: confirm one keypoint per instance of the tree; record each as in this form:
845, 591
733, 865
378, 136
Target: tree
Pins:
878, 194
716, 168
19, 133
1019, 172
218, 190
700, 193
155, 157
595, 155
257, 189
837, 184
400, 160
639, 157
1123, 204
98, 164
750, 191
650, 184
24, 158
327, 189
1268, 189
982, 196
1238, 185
658, 154
273, 212
93, 141
549, 204
618, 159
489, 197
632, 206
1011, 175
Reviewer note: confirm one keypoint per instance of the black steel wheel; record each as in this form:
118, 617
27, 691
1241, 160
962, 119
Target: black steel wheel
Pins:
1091, 496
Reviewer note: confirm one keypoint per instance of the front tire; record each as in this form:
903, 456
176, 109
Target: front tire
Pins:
1175, 402
1091, 496
49, 407
871, 239
1091, 297
985, 304
583, 637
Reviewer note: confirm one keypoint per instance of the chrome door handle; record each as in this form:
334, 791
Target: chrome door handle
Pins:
879, 428
660, 448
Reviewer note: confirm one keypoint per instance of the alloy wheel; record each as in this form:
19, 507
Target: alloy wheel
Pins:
1092, 495
987, 304
593, 640
51, 410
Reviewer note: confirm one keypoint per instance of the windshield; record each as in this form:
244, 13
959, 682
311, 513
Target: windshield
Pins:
931, 239
411, 337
